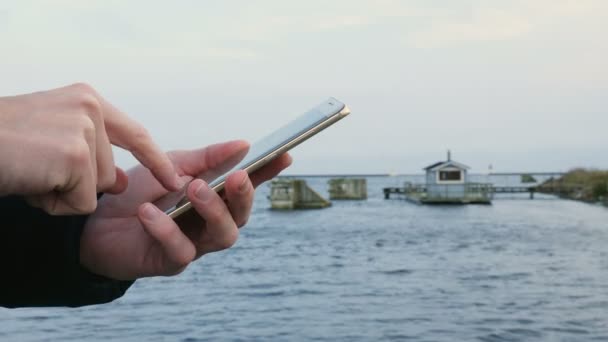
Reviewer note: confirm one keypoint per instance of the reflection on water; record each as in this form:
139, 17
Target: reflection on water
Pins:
517, 270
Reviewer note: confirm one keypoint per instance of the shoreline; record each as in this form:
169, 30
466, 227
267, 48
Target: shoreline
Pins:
583, 185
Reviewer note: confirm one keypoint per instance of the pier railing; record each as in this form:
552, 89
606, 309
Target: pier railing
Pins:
468, 191
477, 190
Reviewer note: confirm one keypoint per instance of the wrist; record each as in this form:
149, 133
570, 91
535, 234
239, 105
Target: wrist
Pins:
5, 113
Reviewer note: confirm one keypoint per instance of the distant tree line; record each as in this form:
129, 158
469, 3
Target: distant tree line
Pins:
588, 185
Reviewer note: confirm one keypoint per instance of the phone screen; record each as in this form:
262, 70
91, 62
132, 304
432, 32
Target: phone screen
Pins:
269, 147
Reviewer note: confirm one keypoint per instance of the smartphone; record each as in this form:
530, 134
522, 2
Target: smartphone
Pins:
276, 143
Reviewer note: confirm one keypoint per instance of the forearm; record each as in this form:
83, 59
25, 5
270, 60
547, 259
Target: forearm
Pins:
40, 260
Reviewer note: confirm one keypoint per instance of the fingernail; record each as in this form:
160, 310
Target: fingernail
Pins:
149, 211
203, 192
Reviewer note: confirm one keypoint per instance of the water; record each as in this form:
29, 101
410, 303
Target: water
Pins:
516, 270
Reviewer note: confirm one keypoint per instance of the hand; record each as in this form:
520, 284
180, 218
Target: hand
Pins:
128, 237
55, 149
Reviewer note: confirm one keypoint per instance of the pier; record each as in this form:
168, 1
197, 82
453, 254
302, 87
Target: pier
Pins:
449, 182
469, 193
552, 190
514, 190
289, 194
489, 189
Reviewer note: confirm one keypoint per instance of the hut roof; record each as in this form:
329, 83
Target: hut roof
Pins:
442, 164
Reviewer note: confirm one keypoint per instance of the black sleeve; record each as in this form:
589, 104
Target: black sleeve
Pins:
40, 263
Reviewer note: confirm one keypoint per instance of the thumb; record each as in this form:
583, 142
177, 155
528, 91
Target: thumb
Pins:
121, 183
177, 251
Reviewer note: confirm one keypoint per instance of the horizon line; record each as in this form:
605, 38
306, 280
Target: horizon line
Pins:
514, 173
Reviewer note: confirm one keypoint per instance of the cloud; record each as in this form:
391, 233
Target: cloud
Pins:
97, 29
485, 25
501, 21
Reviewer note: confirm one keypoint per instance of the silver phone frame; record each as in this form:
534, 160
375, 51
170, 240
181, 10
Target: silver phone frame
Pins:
263, 160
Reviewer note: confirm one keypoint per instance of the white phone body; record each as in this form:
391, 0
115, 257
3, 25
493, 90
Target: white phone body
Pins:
277, 143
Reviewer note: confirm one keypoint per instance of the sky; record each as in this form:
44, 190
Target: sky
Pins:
519, 85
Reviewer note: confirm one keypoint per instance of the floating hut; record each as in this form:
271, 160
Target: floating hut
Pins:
447, 183
347, 189
288, 194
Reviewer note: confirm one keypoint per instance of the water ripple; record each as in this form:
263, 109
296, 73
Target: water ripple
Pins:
518, 270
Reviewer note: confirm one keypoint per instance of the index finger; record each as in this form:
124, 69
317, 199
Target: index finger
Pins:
271, 169
130, 135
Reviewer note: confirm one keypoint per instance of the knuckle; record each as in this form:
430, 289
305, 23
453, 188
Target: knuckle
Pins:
140, 137
48, 204
90, 104
86, 207
66, 205
242, 221
86, 124
76, 153
58, 175
163, 234
140, 145
215, 216
87, 128
51, 209
227, 239
174, 156
85, 98
82, 87
182, 261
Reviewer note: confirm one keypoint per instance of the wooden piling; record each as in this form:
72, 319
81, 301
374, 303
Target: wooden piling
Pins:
347, 189
288, 194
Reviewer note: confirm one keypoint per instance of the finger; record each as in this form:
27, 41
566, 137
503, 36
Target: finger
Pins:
212, 161
106, 171
190, 163
221, 230
178, 249
90, 137
79, 197
239, 197
130, 135
144, 188
271, 169
121, 182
